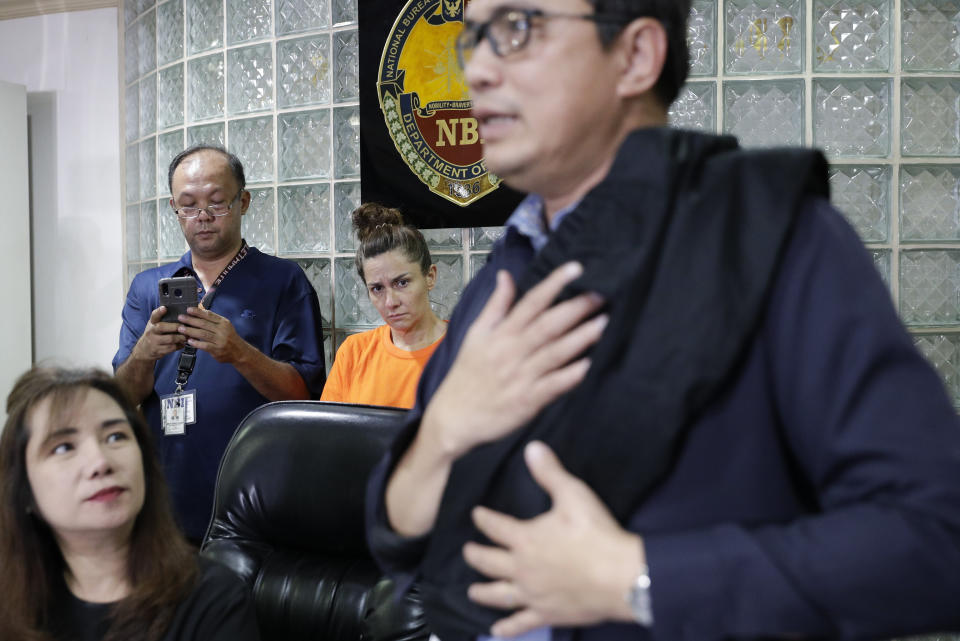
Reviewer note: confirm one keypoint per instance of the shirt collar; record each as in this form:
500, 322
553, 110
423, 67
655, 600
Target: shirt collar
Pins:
529, 220
184, 266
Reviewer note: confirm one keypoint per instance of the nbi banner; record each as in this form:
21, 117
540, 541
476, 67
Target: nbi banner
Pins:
420, 147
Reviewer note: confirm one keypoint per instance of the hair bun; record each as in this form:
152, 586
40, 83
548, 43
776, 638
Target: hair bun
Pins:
369, 217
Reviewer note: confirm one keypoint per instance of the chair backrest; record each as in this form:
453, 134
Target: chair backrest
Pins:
288, 518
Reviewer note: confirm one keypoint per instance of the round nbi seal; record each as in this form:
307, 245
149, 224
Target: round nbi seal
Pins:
424, 100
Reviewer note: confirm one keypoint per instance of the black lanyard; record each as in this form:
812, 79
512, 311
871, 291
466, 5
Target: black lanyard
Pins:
188, 357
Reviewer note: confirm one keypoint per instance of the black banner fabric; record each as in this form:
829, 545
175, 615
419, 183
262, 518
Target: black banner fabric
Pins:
420, 149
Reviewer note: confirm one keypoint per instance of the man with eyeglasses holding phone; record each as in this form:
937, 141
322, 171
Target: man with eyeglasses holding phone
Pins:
677, 402
254, 337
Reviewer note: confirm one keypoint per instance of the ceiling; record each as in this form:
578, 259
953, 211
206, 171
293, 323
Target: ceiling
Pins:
23, 8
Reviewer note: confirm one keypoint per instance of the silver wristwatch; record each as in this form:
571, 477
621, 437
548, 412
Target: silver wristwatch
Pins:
638, 598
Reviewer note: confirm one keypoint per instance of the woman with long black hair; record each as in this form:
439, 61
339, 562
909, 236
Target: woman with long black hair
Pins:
89, 549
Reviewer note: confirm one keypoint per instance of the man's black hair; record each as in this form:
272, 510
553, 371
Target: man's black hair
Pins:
672, 14
236, 167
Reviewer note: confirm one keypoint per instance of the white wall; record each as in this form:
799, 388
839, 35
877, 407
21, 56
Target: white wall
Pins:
15, 344
77, 208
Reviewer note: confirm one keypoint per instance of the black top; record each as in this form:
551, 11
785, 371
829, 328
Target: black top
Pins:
220, 608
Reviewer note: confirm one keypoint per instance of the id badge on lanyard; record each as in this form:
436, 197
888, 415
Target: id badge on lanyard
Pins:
179, 409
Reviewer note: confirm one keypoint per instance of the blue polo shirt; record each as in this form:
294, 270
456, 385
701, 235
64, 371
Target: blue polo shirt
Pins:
272, 306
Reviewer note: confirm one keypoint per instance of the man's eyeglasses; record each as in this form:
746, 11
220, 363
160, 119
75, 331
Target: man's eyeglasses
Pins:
509, 30
216, 210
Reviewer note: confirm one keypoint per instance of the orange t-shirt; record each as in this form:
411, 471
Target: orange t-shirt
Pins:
371, 370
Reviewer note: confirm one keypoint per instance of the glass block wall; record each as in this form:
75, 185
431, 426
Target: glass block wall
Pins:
275, 81
875, 83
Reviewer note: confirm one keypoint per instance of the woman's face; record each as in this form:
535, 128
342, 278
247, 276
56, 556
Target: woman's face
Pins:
399, 289
84, 466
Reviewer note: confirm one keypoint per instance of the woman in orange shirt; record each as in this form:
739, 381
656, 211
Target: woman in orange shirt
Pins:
382, 366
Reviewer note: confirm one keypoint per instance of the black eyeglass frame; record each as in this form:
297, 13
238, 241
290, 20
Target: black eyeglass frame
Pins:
213, 213
474, 32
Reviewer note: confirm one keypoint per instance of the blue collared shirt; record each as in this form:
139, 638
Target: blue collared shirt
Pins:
529, 219
273, 307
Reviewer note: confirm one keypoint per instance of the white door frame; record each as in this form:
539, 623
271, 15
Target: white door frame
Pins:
16, 314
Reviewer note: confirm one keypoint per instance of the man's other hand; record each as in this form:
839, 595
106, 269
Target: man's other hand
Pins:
158, 338
213, 334
570, 566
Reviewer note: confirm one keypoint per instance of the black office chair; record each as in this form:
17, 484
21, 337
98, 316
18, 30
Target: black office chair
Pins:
288, 518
